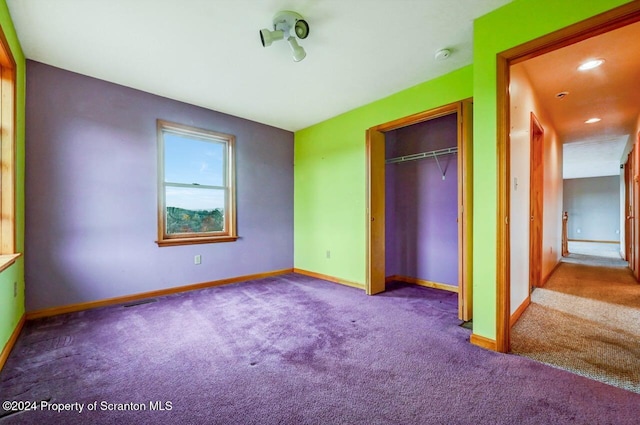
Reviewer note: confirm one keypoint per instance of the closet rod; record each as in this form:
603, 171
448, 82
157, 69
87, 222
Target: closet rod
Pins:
430, 154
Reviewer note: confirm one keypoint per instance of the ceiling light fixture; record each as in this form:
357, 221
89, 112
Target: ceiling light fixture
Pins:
592, 120
590, 64
283, 23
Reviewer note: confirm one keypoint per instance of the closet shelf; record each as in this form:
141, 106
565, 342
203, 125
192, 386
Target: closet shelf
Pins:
431, 154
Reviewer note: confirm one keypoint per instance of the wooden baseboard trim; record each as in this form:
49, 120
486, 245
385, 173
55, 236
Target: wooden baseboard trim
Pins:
329, 278
516, 314
422, 282
4, 355
151, 294
480, 341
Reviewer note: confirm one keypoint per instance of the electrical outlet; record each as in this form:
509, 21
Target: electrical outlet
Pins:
328, 254
15, 289
197, 259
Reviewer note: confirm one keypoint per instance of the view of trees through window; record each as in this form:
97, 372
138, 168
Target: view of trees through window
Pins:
180, 220
194, 183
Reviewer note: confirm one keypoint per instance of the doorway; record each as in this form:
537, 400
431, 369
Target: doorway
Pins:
376, 199
632, 208
598, 25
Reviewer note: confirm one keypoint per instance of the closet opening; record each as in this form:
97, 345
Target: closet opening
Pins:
419, 199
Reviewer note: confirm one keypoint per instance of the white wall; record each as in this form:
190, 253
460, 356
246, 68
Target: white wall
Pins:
521, 106
523, 102
624, 158
593, 204
552, 227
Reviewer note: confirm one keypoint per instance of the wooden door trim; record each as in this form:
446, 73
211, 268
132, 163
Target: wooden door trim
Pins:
438, 112
463, 109
535, 241
627, 209
596, 25
635, 209
375, 262
503, 255
465, 211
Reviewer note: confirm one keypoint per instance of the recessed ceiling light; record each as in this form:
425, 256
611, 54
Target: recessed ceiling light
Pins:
590, 64
592, 120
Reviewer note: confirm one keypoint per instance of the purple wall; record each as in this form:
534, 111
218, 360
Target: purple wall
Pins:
91, 210
421, 208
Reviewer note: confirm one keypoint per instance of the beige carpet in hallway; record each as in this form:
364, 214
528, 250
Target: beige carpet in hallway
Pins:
586, 320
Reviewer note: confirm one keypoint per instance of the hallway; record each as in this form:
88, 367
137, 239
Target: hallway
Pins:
585, 320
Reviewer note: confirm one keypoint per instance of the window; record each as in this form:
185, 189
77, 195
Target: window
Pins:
7, 154
196, 185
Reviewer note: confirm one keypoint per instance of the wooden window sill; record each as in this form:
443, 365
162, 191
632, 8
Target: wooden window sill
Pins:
7, 260
192, 241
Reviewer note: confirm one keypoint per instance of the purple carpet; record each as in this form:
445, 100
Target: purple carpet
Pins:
288, 350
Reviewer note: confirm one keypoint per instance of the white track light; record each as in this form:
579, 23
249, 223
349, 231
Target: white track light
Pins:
283, 23
269, 37
298, 52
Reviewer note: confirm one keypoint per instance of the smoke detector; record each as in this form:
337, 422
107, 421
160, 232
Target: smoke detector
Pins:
443, 54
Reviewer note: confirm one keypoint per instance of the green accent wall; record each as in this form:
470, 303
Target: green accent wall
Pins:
330, 176
12, 308
510, 26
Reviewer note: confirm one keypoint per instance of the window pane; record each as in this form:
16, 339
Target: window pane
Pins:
194, 210
190, 160
196, 185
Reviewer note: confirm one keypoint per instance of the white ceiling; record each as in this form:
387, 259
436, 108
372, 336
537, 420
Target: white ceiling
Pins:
593, 158
208, 52
609, 92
